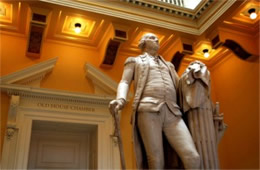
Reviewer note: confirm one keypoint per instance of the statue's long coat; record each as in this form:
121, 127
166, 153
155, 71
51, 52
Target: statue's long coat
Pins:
138, 71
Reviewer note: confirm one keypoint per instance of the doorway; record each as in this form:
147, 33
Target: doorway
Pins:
60, 145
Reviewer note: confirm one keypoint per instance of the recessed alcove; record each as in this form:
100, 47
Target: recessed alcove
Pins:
62, 145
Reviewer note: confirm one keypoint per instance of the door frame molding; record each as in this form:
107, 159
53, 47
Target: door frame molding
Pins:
28, 104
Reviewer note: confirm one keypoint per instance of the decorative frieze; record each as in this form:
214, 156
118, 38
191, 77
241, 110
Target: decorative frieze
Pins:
174, 18
66, 107
55, 95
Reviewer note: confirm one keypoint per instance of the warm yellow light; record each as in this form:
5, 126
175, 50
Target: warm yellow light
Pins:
6, 12
206, 53
252, 13
77, 28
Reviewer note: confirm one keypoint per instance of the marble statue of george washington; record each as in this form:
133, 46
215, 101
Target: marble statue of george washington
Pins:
156, 114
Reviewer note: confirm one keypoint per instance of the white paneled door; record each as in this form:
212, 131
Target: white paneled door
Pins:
57, 145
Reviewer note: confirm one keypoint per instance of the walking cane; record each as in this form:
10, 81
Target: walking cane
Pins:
119, 138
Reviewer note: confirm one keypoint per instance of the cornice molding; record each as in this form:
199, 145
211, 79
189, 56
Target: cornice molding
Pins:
161, 19
119, 13
70, 44
222, 56
205, 22
172, 9
249, 34
20, 35
50, 94
30, 74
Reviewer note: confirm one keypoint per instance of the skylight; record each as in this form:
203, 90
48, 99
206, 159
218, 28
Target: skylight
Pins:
190, 4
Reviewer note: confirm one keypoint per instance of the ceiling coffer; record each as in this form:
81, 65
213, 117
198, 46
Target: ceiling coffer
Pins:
37, 27
187, 49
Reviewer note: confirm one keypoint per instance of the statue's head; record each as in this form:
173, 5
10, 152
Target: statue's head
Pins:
149, 40
196, 66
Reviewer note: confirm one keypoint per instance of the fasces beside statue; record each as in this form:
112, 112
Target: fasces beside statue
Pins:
157, 118
203, 119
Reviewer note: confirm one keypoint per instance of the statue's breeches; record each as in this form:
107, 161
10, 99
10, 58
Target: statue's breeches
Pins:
152, 125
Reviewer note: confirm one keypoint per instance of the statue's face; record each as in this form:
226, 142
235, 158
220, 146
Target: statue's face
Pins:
151, 41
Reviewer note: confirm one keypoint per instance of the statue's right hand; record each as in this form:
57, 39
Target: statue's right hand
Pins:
116, 105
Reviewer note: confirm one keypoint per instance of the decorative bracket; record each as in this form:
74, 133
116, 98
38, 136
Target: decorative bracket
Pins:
12, 114
120, 35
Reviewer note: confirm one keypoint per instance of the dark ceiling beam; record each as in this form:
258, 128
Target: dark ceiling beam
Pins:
239, 51
177, 59
187, 49
37, 27
232, 45
111, 53
120, 35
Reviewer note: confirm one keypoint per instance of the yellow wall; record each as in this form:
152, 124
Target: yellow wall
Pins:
236, 85
68, 74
